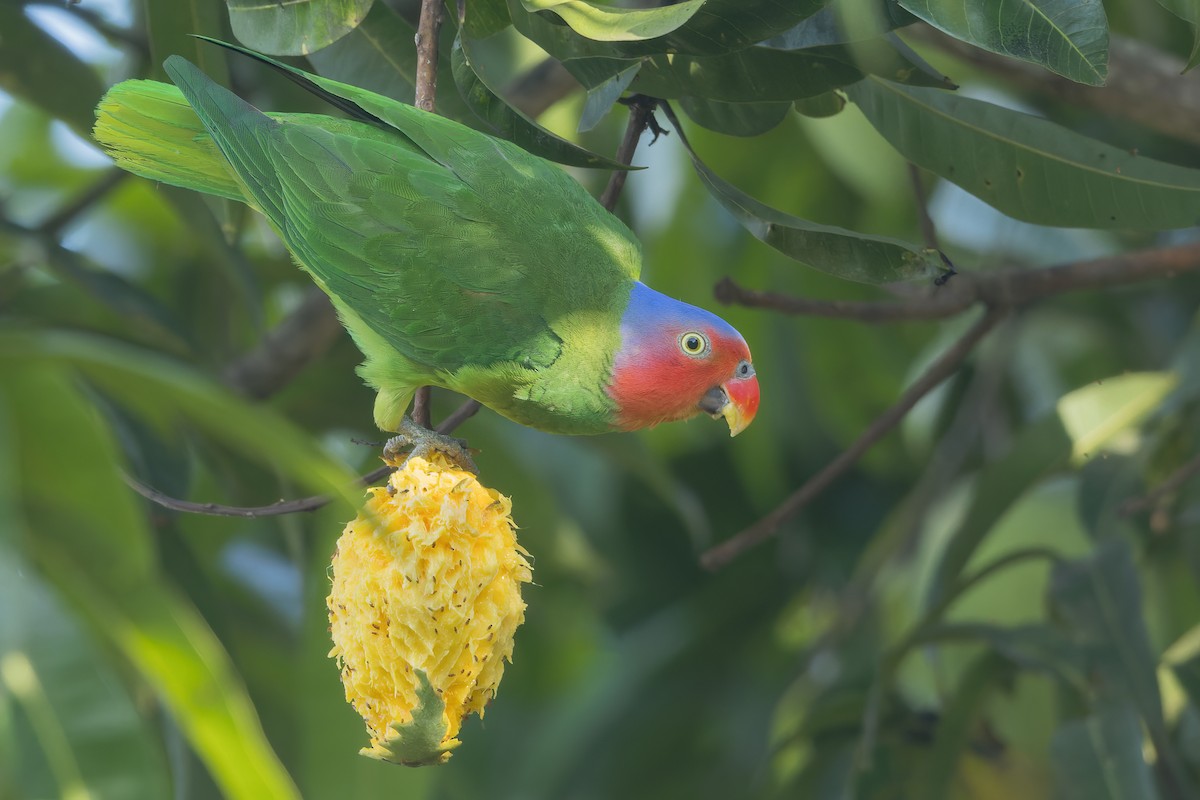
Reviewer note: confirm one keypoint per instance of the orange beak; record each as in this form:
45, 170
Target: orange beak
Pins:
736, 400
742, 403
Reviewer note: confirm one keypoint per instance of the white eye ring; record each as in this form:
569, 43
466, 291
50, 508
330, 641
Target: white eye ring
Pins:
693, 343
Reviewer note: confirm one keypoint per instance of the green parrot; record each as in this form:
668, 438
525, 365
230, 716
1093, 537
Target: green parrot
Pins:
453, 258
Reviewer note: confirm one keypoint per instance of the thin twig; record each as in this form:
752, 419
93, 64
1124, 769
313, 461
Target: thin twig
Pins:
458, 416
1176, 479
938, 371
639, 118
928, 230
1002, 289
428, 29
304, 504
307, 332
54, 224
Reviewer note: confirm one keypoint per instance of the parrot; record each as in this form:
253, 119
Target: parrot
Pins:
453, 258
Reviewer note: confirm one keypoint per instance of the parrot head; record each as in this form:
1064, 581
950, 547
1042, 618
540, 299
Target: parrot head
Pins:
677, 361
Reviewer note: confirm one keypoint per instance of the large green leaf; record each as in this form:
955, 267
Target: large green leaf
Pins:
839, 252
380, 55
735, 119
165, 393
170, 23
602, 97
843, 21
40, 70
92, 541
1100, 600
295, 27
81, 717
508, 123
1026, 166
1083, 421
1100, 757
1188, 10
1069, 37
752, 74
694, 27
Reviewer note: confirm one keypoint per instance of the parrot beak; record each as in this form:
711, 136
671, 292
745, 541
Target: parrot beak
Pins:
736, 400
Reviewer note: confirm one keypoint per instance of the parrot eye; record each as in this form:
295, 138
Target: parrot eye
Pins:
693, 343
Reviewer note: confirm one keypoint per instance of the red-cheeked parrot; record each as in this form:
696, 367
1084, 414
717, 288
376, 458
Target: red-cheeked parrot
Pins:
453, 258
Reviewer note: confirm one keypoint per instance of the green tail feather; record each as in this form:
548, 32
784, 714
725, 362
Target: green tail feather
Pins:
149, 129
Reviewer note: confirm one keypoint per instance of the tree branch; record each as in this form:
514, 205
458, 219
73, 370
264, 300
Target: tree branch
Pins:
1144, 84
428, 28
304, 334
938, 371
1001, 289
1176, 479
640, 112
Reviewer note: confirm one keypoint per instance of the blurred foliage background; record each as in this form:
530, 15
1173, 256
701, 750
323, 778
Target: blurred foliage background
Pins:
999, 600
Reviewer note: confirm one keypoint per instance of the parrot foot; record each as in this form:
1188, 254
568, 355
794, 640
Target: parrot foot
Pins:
414, 440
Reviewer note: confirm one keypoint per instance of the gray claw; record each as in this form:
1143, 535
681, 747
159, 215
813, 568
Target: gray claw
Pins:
414, 440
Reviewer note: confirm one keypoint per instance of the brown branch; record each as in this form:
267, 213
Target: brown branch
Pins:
305, 333
1144, 84
460, 415
938, 371
639, 118
1177, 479
54, 224
1001, 289
928, 230
304, 504
428, 30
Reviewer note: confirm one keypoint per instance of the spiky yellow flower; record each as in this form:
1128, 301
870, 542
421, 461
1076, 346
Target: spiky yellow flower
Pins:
426, 598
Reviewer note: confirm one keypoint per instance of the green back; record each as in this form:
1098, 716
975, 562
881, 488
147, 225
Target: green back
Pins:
455, 248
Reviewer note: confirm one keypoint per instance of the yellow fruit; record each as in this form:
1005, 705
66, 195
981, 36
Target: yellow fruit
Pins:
425, 600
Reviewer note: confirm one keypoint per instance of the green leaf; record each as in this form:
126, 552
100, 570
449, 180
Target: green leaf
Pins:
1188, 10
692, 27
419, 742
1069, 37
844, 21
1083, 421
1100, 600
1100, 758
821, 106
93, 542
602, 97
294, 28
170, 23
81, 716
1028, 167
508, 123
839, 252
956, 721
163, 392
380, 55
1095, 414
757, 74
615, 24
40, 70
735, 119
485, 18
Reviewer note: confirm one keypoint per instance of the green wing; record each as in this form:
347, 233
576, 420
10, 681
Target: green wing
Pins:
454, 247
